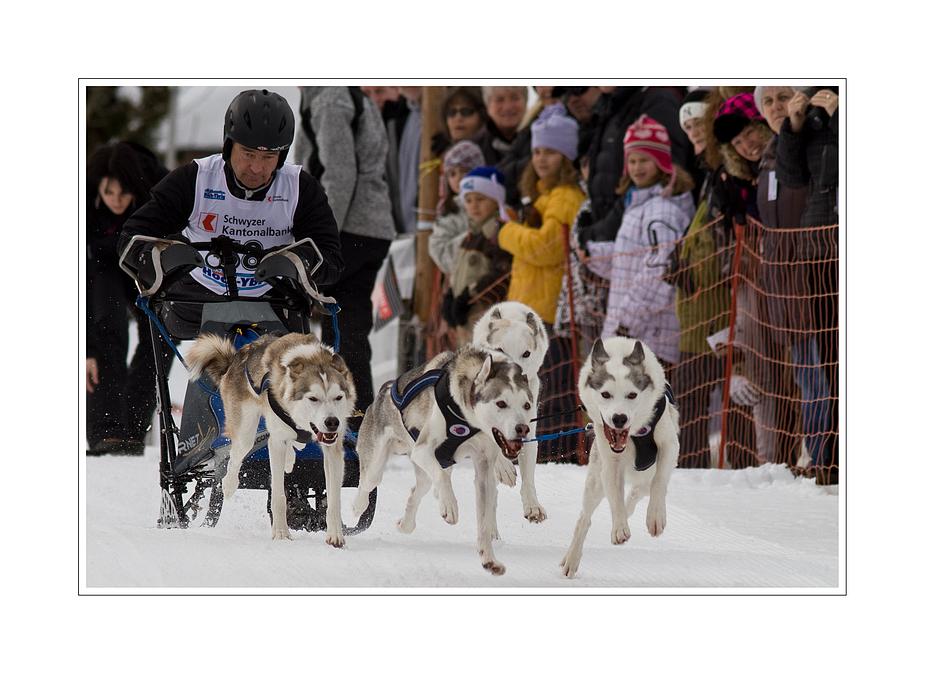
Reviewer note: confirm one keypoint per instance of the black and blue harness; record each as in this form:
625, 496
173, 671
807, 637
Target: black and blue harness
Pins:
302, 435
644, 438
458, 430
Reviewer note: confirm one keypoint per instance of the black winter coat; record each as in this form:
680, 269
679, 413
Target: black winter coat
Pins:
810, 159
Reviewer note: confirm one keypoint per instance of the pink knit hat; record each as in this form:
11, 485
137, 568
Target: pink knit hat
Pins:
647, 136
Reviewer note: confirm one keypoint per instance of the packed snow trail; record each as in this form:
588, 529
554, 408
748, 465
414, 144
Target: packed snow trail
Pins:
752, 530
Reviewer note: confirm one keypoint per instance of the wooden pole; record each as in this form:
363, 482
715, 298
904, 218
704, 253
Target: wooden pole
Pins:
428, 194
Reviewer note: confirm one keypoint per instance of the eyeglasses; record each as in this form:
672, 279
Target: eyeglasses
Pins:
465, 112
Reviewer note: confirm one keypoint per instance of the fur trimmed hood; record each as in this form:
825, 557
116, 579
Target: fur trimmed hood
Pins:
737, 165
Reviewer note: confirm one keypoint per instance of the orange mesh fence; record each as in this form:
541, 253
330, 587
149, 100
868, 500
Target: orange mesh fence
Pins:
771, 397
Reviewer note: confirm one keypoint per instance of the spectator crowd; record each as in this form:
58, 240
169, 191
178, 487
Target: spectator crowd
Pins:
633, 197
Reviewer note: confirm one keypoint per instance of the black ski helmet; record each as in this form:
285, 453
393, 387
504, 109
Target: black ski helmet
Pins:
261, 120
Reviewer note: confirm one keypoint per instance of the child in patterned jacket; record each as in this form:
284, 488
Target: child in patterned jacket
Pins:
659, 207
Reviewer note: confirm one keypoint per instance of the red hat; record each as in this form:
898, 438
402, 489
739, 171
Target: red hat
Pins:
647, 136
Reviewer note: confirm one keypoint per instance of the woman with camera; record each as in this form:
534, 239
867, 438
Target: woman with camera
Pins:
807, 156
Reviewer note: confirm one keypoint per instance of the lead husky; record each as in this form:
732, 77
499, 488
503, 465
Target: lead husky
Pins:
451, 405
636, 429
514, 329
280, 376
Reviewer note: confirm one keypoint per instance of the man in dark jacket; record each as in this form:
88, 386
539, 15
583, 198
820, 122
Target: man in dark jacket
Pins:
248, 193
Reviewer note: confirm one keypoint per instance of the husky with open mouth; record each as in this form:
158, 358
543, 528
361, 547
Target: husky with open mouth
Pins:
438, 414
302, 389
514, 329
636, 439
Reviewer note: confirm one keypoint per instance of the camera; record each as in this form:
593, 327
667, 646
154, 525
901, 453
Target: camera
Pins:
816, 117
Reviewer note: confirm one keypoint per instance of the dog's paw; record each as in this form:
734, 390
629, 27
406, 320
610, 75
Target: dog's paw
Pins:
506, 472
449, 510
569, 565
336, 540
620, 534
281, 533
360, 503
493, 565
656, 519
229, 485
535, 513
406, 525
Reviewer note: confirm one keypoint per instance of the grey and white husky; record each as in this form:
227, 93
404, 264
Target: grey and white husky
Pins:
275, 377
514, 329
636, 427
439, 413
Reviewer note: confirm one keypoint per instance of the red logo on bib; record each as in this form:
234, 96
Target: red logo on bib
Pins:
207, 221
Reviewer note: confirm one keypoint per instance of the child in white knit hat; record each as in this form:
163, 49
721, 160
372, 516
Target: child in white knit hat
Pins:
452, 223
480, 273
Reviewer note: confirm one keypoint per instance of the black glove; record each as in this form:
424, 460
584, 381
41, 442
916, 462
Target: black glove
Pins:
461, 307
456, 309
174, 258
679, 272
294, 264
439, 144
447, 309
730, 200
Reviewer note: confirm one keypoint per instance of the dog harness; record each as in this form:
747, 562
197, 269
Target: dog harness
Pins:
458, 430
644, 438
302, 435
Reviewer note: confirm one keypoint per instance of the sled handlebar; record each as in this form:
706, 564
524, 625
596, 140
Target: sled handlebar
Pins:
171, 258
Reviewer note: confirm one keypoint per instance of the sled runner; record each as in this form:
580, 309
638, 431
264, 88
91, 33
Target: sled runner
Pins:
195, 454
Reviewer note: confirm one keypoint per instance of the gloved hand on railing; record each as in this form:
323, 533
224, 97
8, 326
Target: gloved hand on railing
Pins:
742, 392
286, 263
156, 260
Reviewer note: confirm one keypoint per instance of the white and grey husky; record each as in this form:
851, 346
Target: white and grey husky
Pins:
294, 382
433, 413
636, 427
514, 329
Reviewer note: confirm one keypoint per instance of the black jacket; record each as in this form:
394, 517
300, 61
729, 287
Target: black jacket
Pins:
810, 159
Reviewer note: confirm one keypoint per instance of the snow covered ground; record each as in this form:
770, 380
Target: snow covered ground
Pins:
757, 530
754, 530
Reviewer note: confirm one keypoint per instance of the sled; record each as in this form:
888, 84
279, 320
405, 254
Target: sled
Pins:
194, 455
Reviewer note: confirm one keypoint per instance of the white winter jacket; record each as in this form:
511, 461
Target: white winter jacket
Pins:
639, 300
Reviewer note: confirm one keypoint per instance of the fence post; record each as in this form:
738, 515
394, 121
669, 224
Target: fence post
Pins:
727, 379
573, 331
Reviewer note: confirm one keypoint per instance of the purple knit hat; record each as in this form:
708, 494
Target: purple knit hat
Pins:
733, 115
465, 153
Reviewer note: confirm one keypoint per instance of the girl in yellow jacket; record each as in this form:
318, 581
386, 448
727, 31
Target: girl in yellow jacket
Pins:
550, 181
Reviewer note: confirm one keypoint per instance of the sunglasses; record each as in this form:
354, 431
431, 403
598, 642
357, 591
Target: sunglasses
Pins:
465, 112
